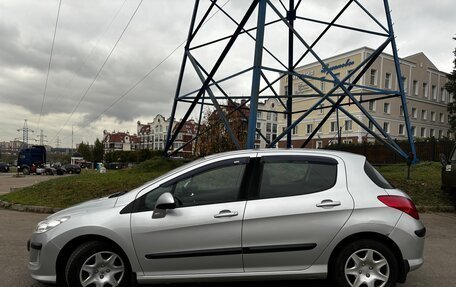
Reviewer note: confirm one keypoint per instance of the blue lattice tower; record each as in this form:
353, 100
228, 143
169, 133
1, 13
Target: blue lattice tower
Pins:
269, 25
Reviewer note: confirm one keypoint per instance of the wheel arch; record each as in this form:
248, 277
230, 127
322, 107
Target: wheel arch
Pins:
68, 249
403, 265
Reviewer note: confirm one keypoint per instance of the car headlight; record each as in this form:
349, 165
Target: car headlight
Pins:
47, 225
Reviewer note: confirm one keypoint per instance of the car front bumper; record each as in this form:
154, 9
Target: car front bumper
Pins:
42, 259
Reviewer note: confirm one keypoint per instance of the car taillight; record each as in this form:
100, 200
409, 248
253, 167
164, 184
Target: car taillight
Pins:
402, 203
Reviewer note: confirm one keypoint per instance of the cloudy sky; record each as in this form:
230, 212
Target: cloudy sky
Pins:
88, 94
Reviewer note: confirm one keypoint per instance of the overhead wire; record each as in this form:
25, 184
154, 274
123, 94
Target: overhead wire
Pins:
49, 64
150, 72
100, 69
84, 61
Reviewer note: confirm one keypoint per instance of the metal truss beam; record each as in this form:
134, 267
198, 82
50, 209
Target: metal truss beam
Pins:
346, 91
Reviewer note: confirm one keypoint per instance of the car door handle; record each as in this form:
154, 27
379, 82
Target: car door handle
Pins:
226, 213
328, 203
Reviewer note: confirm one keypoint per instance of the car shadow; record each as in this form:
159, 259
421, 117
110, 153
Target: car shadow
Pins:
274, 283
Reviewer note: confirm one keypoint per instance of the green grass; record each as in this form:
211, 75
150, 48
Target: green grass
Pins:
66, 191
424, 187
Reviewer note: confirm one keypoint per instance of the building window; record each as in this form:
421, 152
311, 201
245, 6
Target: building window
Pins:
414, 113
274, 117
319, 144
424, 114
387, 81
268, 127
386, 108
268, 116
425, 90
423, 132
309, 128
440, 134
442, 94
347, 141
413, 131
432, 133
405, 83
415, 87
285, 90
259, 126
433, 116
348, 125
321, 108
322, 84
442, 118
333, 127
372, 105
373, 77
386, 127
371, 126
274, 128
401, 130
295, 130
434, 92
284, 116
401, 111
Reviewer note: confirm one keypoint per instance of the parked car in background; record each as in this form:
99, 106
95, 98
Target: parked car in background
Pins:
73, 168
255, 214
449, 170
4, 167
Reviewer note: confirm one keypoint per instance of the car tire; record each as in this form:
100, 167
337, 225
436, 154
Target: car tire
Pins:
108, 263
25, 170
365, 261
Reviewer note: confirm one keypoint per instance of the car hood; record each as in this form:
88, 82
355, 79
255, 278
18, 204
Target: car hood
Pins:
86, 207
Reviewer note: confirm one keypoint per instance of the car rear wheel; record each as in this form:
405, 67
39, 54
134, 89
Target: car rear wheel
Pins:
25, 170
97, 264
365, 263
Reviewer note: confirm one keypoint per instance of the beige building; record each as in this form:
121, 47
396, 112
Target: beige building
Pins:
423, 83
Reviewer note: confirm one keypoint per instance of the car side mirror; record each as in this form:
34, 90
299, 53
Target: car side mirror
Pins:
443, 159
164, 202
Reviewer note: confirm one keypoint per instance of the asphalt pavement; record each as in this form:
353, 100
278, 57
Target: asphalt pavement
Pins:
438, 268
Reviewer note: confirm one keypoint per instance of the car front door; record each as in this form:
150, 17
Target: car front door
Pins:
300, 205
203, 234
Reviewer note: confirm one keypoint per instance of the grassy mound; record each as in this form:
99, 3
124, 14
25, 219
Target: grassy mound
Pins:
69, 190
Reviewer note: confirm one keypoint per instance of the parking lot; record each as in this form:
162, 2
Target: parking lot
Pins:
8, 181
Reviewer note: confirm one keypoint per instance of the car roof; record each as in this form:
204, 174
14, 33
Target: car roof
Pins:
346, 156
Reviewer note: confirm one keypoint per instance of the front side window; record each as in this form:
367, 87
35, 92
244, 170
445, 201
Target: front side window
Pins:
296, 177
210, 187
216, 185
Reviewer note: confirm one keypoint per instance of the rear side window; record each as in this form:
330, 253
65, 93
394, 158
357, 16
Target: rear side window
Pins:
296, 177
453, 157
376, 177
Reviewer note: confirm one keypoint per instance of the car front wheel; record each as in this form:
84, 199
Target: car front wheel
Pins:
365, 263
97, 264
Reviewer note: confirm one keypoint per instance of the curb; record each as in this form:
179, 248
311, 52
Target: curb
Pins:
28, 208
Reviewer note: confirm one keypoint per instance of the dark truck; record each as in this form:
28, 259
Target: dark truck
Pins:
31, 158
449, 170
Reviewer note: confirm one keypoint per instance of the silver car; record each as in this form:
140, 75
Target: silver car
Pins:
245, 215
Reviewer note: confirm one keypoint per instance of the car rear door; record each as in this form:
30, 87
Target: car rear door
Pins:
300, 204
203, 234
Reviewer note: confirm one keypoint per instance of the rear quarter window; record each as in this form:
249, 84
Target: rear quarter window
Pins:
376, 177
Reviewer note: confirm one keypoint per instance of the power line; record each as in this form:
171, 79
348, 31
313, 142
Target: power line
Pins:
99, 71
49, 65
151, 71
84, 61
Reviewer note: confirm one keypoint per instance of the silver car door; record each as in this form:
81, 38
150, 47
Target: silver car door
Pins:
301, 204
203, 234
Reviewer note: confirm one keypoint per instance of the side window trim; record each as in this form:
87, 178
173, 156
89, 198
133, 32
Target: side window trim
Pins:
132, 206
223, 163
255, 183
